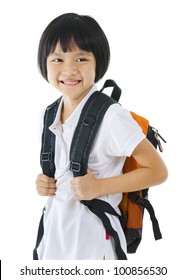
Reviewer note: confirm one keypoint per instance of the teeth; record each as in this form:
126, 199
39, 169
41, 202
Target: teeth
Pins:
70, 82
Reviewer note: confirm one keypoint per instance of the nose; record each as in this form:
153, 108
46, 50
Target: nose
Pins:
69, 69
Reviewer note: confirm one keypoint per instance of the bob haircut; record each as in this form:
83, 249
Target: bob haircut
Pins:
84, 31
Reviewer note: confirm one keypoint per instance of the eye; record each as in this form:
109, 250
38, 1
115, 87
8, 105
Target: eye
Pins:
82, 59
57, 60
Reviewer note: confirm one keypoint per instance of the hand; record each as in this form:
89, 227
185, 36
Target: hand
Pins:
85, 187
46, 186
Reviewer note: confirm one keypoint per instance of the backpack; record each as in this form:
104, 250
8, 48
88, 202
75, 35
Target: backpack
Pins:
133, 204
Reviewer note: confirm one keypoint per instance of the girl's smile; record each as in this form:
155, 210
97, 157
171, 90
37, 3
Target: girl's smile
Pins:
71, 72
70, 82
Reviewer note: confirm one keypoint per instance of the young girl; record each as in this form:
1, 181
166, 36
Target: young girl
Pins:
73, 55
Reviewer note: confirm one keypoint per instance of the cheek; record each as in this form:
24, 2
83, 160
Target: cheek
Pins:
93, 72
51, 74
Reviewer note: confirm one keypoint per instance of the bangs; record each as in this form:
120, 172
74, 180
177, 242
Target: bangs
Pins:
74, 32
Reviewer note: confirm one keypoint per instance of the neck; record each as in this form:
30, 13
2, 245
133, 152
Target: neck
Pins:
67, 109
69, 105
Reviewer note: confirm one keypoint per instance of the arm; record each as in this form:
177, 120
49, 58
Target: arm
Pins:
152, 172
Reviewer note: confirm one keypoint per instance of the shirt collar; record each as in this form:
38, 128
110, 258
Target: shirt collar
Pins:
74, 117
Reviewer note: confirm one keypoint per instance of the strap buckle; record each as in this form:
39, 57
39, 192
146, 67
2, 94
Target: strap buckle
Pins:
141, 201
75, 166
47, 157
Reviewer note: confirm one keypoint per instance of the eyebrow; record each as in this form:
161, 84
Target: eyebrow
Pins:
84, 53
78, 53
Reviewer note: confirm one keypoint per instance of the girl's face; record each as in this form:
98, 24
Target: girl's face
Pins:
72, 72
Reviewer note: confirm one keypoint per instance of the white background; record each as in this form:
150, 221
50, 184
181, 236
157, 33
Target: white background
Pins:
148, 61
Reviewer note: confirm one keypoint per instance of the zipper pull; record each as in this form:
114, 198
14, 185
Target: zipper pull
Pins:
158, 142
157, 135
161, 137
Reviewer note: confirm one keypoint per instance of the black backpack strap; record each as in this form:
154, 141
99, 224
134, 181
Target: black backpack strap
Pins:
48, 140
145, 203
47, 159
154, 137
85, 133
89, 122
99, 208
116, 93
39, 237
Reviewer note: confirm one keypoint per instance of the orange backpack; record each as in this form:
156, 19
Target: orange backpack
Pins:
133, 204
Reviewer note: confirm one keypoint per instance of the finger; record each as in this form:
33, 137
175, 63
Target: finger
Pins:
45, 178
45, 185
46, 191
72, 182
74, 188
45, 181
46, 188
75, 181
46, 194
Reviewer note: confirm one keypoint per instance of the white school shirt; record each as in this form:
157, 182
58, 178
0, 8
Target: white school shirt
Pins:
71, 231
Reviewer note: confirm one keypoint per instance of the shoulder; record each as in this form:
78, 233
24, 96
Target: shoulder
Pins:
121, 130
118, 115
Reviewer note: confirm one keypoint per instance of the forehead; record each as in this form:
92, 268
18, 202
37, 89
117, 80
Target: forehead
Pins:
73, 47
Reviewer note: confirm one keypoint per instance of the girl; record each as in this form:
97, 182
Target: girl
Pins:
73, 55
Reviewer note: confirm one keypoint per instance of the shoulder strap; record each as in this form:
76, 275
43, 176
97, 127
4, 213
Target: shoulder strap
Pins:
89, 122
46, 159
85, 133
116, 93
48, 140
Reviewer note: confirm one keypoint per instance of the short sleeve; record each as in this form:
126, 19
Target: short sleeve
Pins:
124, 133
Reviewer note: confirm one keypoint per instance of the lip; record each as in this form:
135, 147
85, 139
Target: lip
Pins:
70, 83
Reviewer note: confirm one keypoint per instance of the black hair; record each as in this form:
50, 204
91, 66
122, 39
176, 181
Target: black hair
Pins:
84, 31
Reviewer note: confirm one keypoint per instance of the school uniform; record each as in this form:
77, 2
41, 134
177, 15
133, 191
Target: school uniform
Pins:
71, 231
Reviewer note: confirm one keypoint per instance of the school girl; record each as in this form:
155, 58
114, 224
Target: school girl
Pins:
73, 55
